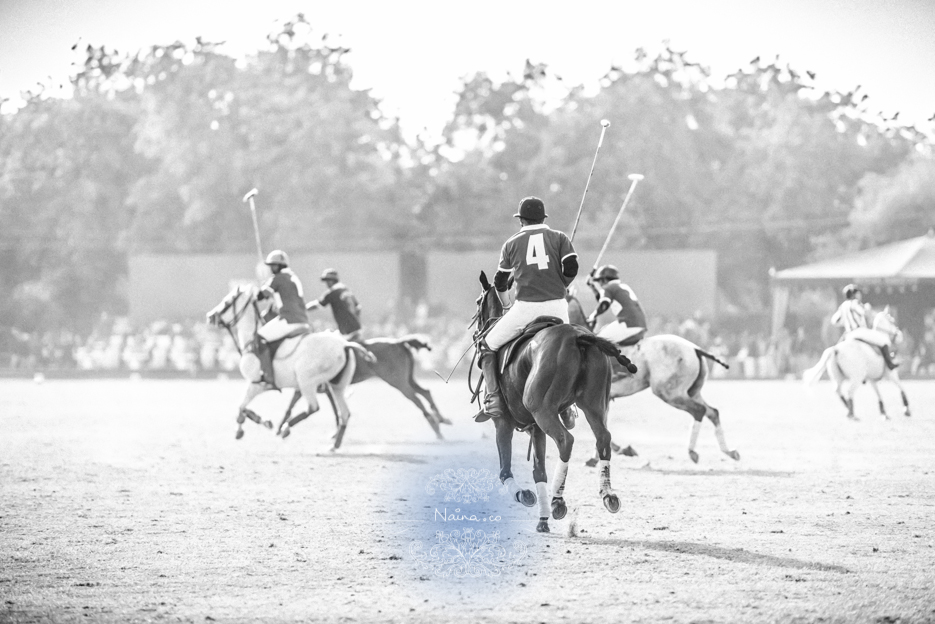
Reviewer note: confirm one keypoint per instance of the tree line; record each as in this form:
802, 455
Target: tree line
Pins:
154, 150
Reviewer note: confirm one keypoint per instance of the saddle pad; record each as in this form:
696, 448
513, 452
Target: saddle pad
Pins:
274, 346
507, 351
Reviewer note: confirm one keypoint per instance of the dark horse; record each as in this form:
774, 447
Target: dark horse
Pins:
395, 365
560, 365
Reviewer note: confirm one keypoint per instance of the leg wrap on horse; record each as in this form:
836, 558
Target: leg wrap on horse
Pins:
558, 479
542, 494
603, 468
512, 487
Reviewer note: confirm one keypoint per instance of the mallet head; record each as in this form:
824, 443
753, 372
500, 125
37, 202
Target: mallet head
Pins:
252, 193
605, 122
635, 177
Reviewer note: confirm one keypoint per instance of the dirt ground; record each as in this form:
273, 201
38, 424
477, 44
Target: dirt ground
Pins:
131, 501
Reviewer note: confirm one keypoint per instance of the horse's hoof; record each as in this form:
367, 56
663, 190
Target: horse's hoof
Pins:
629, 452
268, 424
591, 463
285, 434
543, 526
239, 434
526, 497
734, 455
907, 414
444, 421
612, 503
693, 455
558, 508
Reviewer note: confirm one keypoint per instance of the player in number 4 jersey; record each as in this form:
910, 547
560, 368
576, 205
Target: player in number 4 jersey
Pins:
542, 262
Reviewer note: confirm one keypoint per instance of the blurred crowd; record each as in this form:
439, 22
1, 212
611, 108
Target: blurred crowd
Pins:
196, 347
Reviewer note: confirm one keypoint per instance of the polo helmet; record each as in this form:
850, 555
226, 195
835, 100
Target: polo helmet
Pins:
607, 272
277, 257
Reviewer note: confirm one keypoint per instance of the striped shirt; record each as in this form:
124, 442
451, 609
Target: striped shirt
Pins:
850, 315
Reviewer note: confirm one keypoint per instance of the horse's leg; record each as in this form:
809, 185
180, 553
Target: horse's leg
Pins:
427, 396
286, 429
715, 417
893, 376
849, 399
876, 390
243, 413
406, 386
335, 391
505, 451
285, 418
541, 480
696, 409
548, 420
597, 420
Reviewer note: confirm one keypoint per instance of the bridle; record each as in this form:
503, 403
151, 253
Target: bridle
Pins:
238, 316
887, 326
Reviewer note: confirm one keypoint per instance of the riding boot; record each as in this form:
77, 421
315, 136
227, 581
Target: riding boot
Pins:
568, 418
493, 400
266, 362
888, 358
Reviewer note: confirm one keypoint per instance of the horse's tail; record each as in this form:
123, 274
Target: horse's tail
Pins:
607, 348
813, 374
414, 342
362, 351
702, 353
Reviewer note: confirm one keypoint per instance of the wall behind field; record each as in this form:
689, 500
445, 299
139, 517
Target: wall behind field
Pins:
178, 287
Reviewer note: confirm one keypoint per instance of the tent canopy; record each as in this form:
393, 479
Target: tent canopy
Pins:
906, 266
906, 261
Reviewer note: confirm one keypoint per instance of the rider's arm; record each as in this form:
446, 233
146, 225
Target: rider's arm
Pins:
570, 266
501, 282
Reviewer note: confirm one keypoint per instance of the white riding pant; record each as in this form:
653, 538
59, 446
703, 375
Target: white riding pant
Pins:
522, 314
618, 332
873, 336
277, 328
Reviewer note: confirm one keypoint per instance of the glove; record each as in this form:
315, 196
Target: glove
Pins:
592, 320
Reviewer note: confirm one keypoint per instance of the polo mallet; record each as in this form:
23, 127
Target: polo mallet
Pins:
634, 178
256, 226
604, 124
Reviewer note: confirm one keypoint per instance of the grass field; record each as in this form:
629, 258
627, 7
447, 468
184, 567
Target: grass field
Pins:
130, 501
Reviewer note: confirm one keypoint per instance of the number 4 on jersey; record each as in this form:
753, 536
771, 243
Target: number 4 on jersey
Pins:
535, 251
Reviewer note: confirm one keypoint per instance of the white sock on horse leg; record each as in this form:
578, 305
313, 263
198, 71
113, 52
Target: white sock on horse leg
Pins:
693, 440
719, 432
603, 471
542, 493
511, 487
558, 479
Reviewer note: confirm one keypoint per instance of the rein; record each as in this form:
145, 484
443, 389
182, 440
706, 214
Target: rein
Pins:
237, 317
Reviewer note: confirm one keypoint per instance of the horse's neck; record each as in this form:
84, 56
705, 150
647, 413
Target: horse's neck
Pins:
246, 328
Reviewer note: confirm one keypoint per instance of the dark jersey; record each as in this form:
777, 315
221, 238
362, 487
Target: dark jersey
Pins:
534, 255
289, 296
344, 307
624, 304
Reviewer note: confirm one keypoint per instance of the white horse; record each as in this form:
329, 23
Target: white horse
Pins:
675, 369
304, 362
854, 361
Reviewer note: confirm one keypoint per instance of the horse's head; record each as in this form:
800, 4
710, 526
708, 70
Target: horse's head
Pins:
884, 322
488, 304
233, 306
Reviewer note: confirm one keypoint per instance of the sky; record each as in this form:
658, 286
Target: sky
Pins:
412, 54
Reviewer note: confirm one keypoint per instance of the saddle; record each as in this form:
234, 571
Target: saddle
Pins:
632, 340
267, 355
506, 353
